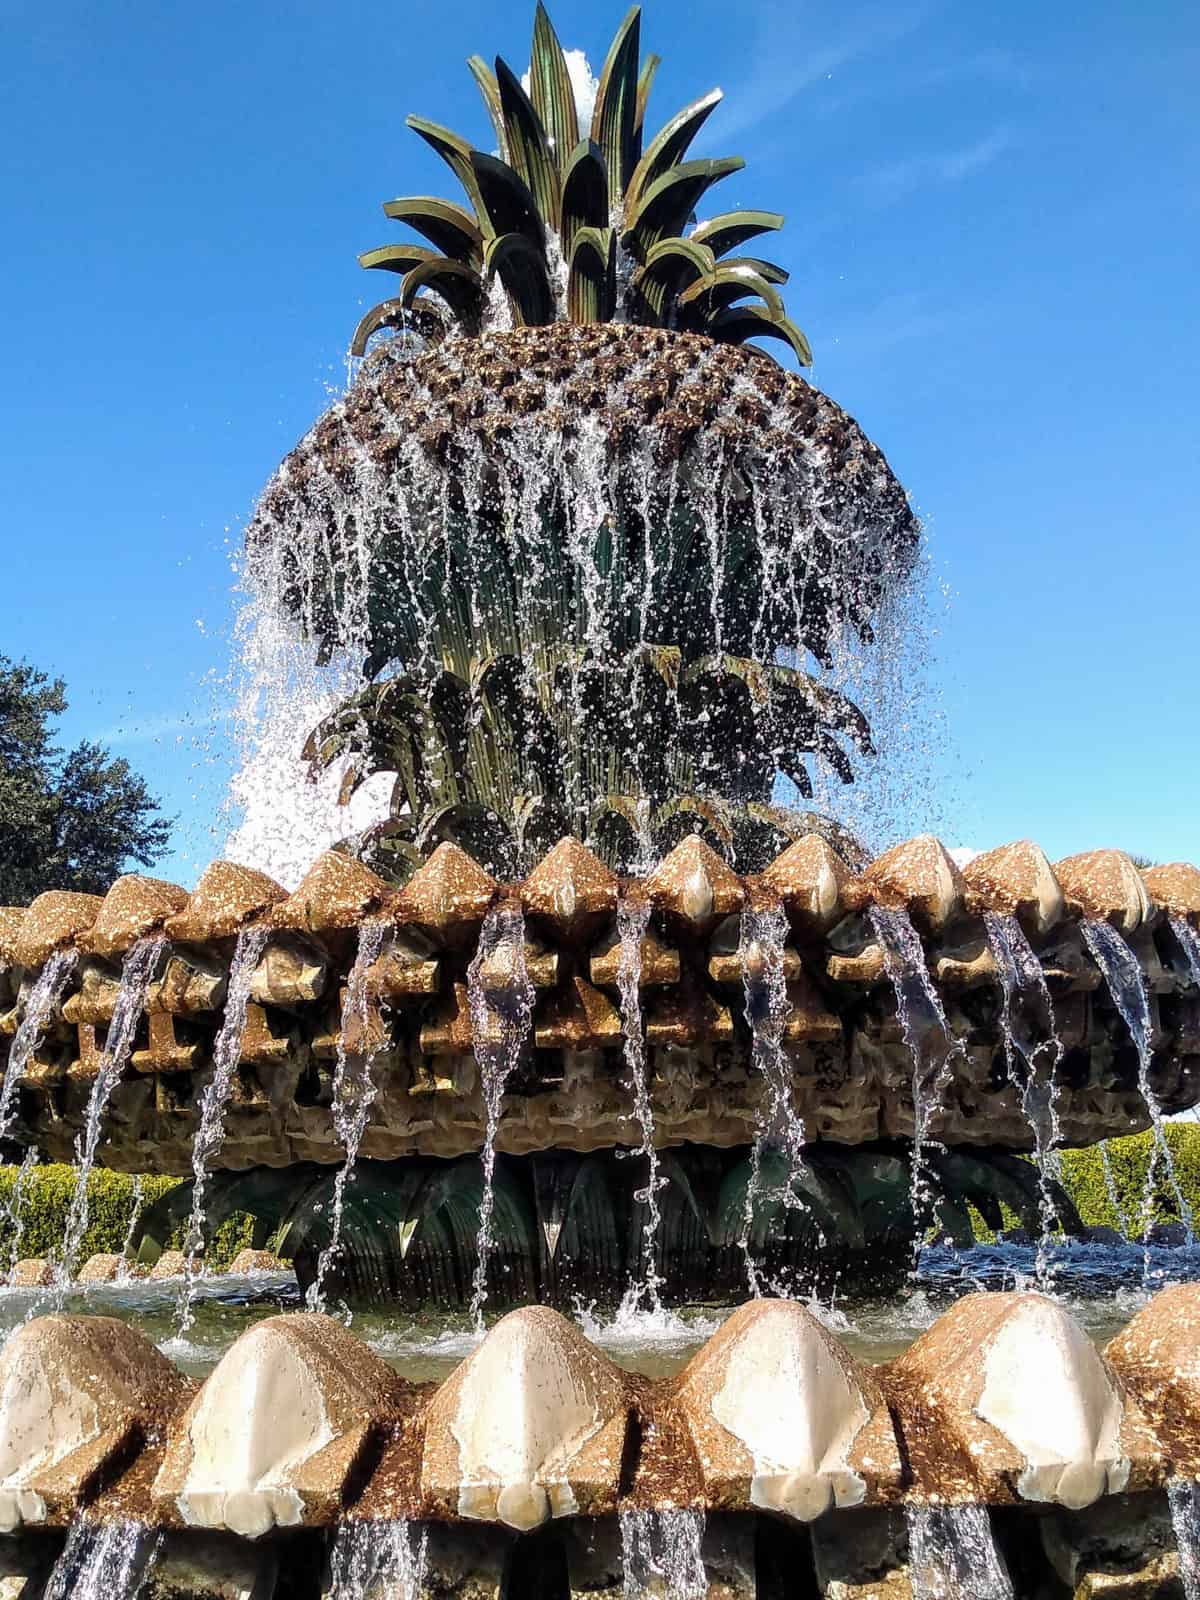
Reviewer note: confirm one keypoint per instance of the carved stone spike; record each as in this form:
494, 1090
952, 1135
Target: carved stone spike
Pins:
193, 983
783, 1419
226, 898
337, 892
164, 1052
55, 918
1006, 1399
918, 877
687, 1015
99, 986
1175, 887
529, 1427
725, 964
277, 1430
407, 965
291, 972
260, 1044
1019, 881
133, 907
571, 891
449, 1030
578, 1017
447, 898
659, 962
1105, 885
814, 883
1158, 1358
693, 886
74, 1391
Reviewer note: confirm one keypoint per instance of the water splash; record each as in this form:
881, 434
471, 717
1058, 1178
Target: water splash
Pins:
14, 1211
764, 932
953, 1555
370, 1560
1033, 1051
42, 1004
501, 1000
354, 1090
661, 1555
138, 971
210, 1134
104, 1561
633, 918
1183, 1496
1110, 1189
1127, 986
926, 1032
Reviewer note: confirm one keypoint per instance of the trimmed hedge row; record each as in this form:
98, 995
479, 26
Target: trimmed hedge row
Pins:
111, 1199
46, 1201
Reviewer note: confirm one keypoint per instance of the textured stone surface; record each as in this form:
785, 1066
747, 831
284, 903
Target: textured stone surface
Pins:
783, 1419
1019, 881
531, 1426
1106, 885
277, 1429
226, 897
918, 877
1158, 1358
1005, 1398
75, 1393
132, 908
55, 918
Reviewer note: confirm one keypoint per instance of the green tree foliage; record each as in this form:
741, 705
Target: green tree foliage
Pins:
68, 819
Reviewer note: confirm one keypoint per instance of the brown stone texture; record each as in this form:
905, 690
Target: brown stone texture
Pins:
55, 918
1017, 880
918, 877
1158, 1358
225, 899
132, 908
1105, 885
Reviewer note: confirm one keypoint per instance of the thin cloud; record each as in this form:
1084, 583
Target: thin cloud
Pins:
897, 179
790, 60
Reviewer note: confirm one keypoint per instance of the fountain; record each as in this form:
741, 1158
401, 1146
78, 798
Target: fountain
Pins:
595, 1025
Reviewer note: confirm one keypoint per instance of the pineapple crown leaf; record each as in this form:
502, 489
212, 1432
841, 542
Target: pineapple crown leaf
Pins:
590, 196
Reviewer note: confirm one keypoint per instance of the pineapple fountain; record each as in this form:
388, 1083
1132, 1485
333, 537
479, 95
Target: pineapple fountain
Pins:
591, 1014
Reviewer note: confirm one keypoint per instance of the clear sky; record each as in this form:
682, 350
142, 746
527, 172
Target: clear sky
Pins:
993, 241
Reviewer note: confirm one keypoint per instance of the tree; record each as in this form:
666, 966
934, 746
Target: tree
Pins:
68, 820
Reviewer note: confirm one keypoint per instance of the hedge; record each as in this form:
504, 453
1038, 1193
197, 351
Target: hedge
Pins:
111, 1196
46, 1200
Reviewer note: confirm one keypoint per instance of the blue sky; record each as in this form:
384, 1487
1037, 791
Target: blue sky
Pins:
993, 242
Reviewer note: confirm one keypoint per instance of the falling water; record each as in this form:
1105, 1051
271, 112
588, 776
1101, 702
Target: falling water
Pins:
135, 1211
1127, 986
1110, 1189
14, 1212
354, 1090
137, 974
378, 1561
210, 1134
927, 1035
953, 1556
1189, 941
104, 1561
501, 1000
661, 1555
1183, 1495
633, 917
1032, 1049
764, 932
42, 1003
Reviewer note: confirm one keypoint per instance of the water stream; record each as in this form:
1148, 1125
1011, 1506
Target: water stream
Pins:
135, 1211
931, 1045
354, 1090
210, 1134
953, 1555
501, 1000
764, 932
1127, 986
633, 918
138, 971
1183, 1496
104, 1561
14, 1212
661, 1555
1111, 1191
1033, 1051
41, 1006
1189, 941
378, 1561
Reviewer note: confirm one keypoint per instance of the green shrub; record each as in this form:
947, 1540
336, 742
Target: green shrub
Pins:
1129, 1160
47, 1200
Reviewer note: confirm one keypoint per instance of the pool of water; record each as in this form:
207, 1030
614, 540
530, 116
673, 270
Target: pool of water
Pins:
1103, 1285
